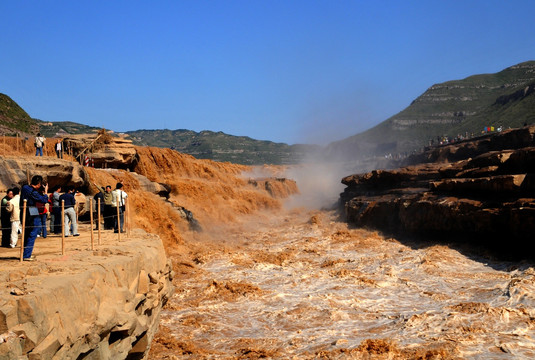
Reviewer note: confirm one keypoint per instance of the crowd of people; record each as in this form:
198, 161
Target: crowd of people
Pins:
42, 206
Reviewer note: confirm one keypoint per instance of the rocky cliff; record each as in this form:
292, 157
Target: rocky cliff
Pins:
105, 304
475, 190
102, 304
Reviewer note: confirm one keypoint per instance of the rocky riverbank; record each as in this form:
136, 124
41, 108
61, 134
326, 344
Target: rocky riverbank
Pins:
102, 304
480, 190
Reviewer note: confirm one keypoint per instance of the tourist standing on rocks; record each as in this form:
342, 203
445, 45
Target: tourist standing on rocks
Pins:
39, 143
108, 209
13, 206
117, 200
33, 220
59, 149
98, 196
70, 213
5, 218
41, 206
55, 217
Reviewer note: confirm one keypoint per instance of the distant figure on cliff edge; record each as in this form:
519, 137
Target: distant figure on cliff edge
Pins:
33, 220
70, 213
13, 206
59, 149
39, 143
5, 218
118, 196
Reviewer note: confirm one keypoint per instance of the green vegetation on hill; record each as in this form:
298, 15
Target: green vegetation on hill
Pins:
219, 146
13, 119
50, 129
452, 108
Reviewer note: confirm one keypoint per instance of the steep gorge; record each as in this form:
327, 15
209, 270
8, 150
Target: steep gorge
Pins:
216, 194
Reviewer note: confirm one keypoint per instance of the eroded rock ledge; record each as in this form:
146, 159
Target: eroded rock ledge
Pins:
480, 190
102, 304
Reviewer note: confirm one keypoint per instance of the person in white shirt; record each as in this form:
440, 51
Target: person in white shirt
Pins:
118, 197
13, 206
59, 149
39, 143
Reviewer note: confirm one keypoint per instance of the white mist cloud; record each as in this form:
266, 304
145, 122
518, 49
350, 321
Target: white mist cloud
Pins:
338, 115
319, 184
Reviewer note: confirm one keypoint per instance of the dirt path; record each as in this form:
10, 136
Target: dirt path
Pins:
303, 285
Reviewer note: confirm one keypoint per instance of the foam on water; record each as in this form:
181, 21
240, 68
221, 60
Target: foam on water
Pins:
304, 290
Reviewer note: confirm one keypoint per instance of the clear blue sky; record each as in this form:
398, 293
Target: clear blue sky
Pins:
290, 71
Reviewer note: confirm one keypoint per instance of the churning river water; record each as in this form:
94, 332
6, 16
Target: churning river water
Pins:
304, 285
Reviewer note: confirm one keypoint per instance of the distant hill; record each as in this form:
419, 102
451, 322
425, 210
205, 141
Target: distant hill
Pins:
204, 145
219, 146
506, 99
452, 108
14, 120
50, 129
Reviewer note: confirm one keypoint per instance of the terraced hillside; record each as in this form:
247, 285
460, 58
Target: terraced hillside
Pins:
504, 99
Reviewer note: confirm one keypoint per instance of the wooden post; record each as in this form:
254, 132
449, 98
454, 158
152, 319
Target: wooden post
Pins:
23, 229
127, 217
98, 222
91, 216
62, 227
118, 222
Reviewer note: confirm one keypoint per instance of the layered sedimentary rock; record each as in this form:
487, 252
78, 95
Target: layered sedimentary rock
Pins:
16, 170
481, 189
90, 305
104, 150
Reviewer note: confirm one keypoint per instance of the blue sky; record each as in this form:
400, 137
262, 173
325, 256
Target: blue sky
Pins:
288, 71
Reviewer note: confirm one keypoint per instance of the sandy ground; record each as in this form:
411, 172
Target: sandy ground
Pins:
49, 257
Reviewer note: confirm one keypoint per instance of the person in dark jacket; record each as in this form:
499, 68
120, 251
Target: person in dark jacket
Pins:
41, 206
109, 218
99, 196
56, 209
31, 193
70, 212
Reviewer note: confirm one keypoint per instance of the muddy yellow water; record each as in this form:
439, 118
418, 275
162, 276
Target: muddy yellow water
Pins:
304, 285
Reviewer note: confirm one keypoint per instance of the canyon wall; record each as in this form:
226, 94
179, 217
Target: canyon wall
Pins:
104, 304
480, 190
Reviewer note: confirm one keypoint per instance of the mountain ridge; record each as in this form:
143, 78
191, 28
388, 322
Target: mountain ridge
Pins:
451, 108
220, 146
455, 108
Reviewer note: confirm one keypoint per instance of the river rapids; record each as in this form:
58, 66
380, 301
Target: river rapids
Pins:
303, 285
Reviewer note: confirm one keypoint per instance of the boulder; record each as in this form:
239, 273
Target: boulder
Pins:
16, 170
